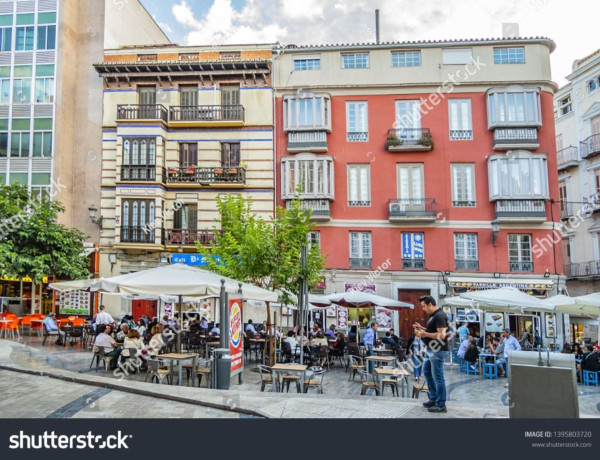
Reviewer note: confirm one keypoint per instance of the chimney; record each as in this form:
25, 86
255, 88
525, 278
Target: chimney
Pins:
510, 30
377, 27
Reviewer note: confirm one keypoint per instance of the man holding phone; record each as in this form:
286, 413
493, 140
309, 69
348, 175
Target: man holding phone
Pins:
435, 339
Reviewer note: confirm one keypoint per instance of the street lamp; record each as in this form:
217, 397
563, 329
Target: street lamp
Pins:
112, 258
495, 231
92, 213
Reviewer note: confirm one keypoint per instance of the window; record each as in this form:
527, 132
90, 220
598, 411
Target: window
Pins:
46, 38
314, 239
514, 106
410, 182
357, 123
24, 38
44, 90
147, 57
188, 154
188, 96
3, 146
562, 195
42, 144
230, 94
413, 251
520, 176
592, 84
355, 61
463, 184
139, 159
408, 120
307, 63
519, 253
311, 173
461, 125
186, 218
509, 55
559, 142
147, 95
22, 90
137, 221
5, 38
465, 251
230, 55
5, 89
565, 106
19, 145
457, 56
360, 250
306, 112
406, 58
230, 154
359, 187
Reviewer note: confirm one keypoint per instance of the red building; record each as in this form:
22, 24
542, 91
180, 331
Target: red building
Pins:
430, 166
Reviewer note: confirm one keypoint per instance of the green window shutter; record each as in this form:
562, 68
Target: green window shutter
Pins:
44, 70
46, 18
40, 179
42, 124
5, 71
21, 124
2, 178
4, 124
23, 71
6, 19
21, 178
25, 19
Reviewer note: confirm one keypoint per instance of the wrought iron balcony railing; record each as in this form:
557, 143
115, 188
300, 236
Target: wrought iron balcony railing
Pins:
207, 113
142, 112
206, 176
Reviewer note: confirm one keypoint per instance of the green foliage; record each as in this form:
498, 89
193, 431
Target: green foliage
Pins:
32, 243
266, 254
426, 140
392, 141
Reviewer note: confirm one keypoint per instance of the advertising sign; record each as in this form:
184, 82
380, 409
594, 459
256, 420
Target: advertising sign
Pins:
236, 336
550, 325
361, 287
494, 322
342, 318
412, 246
73, 303
384, 319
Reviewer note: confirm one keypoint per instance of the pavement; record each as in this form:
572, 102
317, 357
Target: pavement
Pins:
56, 382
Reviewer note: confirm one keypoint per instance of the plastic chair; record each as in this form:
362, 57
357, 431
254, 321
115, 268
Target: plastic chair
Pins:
26, 321
78, 321
590, 378
472, 368
490, 371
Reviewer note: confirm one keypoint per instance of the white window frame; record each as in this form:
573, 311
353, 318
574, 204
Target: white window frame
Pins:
509, 55
323, 188
513, 169
314, 238
364, 245
359, 184
20, 134
460, 119
463, 247
521, 254
502, 105
357, 121
48, 83
33, 43
3, 37
305, 62
408, 119
20, 81
44, 134
457, 56
5, 83
406, 58
565, 105
321, 109
414, 174
463, 173
355, 60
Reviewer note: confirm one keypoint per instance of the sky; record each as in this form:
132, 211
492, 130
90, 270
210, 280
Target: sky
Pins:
572, 24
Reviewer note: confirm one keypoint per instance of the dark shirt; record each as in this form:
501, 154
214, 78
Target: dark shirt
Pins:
471, 354
437, 320
591, 362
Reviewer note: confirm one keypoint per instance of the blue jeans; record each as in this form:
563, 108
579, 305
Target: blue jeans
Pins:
370, 353
433, 369
502, 365
418, 365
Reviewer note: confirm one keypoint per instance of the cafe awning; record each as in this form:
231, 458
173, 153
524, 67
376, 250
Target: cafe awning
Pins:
495, 283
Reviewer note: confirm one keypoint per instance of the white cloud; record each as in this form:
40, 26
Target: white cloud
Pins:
306, 9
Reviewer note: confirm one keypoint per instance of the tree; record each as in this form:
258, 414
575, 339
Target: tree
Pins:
267, 254
32, 242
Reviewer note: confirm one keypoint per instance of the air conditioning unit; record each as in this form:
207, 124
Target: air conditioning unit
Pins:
397, 208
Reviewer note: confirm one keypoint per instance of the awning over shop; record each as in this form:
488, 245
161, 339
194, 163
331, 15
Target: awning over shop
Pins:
476, 284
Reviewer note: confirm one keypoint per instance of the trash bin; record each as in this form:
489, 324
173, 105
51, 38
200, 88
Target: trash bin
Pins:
223, 368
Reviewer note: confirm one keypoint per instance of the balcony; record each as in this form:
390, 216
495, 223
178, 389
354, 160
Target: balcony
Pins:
357, 137
231, 177
413, 264
177, 236
532, 211
359, 262
516, 138
520, 266
583, 269
590, 147
138, 173
320, 209
408, 140
412, 210
567, 157
207, 115
134, 112
469, 265
307, 141
461, 135
137, 235
566, 210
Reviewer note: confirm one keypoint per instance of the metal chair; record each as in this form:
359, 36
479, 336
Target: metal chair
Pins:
356, 365
100, 355
155, 372
368, 382
417, 390
266, 376
315, 379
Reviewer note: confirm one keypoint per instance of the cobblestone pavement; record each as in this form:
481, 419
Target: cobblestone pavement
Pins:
469, 396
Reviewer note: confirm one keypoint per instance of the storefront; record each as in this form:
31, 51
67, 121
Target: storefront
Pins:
23, 296
583, 330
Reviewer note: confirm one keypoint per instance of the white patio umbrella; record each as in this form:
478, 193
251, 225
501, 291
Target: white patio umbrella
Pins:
586, 305
75, 285
458, 301
507, 299
357, 299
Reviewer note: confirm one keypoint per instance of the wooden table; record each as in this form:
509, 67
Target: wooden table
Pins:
383, 351
381, 359
291, 368
207, 344
179, 357
386, 371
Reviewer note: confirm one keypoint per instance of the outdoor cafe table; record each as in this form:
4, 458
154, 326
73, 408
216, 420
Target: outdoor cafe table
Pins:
385, 371
213, 344
383, 351
381, 359
289, 368
179, 357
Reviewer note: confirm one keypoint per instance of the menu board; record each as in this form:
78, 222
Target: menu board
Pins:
550, 326
494, 322
342, 318
383, 317
73, 303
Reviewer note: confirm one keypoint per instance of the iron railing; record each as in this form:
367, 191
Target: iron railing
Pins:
411, 136
520, 266
461, 134
411, 207
307, 140
138, 173
567, 155
142, 112
206, 176
461, 264
360, 262
207, 113
357, 137
413, 264
520, 208
320, 208
503, 136
582, 269
190, 237
144, 235
590, 146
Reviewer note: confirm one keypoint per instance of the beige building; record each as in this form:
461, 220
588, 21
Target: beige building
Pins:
577, 113
182, 125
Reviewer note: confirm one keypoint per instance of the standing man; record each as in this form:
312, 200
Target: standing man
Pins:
369, 342
510, 343
103, 317
463, 332
435, 339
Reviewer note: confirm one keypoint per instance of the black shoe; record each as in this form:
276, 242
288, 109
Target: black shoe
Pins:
429, 404
437, 409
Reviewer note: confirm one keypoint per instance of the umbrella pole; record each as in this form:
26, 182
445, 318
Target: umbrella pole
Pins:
264, 355
179, 331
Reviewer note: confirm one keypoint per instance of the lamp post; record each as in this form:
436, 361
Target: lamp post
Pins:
495, 231
92, 210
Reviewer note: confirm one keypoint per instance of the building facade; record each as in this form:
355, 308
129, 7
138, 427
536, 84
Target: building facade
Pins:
577, 112
182, 126
430, 167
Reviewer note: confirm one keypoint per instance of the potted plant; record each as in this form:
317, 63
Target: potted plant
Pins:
392, 141
426, 140
243, 164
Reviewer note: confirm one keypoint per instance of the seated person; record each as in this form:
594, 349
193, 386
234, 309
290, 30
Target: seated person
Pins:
330, 333
52, 328
250, 328
262, 327
592, 361
141, 327
294, 345
318, 340
165, 320
338, 347
133, 340
122, 334
394, 337
472, 354
215, 331
388, 339
157, 342
105, 340
314, 331
463, 347
204, 325
194, 327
